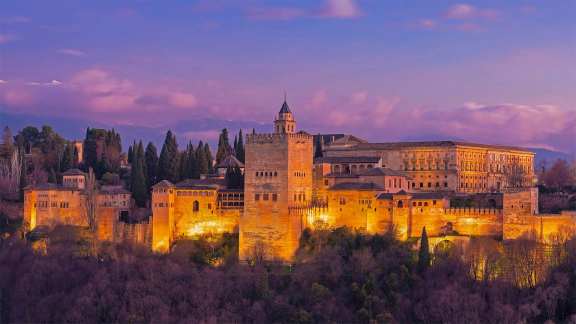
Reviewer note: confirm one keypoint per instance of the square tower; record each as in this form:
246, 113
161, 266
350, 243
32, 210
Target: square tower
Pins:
277, 184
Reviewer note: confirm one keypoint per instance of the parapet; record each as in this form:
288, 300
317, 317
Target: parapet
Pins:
275, 137
472, 211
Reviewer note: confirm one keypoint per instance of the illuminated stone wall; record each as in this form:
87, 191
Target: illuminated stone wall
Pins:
51, 207
278, 177
461, 167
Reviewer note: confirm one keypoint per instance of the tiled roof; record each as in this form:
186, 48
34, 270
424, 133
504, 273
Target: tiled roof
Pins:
113, 190
400, 145
356, 186
71, 172
348, 159
428, 195
380, 172
202, 184
163, 184
285, 109
230, 161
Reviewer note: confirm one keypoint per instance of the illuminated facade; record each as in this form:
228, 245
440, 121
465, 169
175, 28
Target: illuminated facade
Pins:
48, 205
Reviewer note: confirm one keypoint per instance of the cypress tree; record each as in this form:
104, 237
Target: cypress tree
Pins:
137, 177
90, 150
202, 161
424, 252
240, 147
319, 146
191, 163
130, 154
68, 158
151, 157
223, 146
168, 162
209, 158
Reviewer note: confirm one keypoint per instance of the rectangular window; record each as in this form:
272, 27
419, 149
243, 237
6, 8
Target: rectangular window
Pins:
257, 197
274, 197
265, 196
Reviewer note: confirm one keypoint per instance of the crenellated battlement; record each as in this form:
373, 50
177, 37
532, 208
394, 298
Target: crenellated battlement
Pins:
268, 138
472, 211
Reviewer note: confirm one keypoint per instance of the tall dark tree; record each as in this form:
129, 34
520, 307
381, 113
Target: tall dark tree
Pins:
131, 153
224, 148
234, 178
151, 157
424, 252
138, 178
240, 153
201, 160
191, 163
90, 150
209, 158
319, 145
68, 158
7, 142
168, 165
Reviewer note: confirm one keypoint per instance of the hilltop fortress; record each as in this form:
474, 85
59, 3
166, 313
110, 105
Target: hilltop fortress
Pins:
454, 189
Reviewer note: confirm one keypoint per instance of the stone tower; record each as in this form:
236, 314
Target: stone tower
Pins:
163, 219
285, 123
277, 183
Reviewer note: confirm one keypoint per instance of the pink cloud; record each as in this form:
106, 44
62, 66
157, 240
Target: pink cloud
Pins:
284, 13
319, 98
345, 9
359, 97
427, 23
71, 52
183, 100
466, 11
339, 9
6, 38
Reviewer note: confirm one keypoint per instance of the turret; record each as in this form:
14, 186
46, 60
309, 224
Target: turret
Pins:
285, 123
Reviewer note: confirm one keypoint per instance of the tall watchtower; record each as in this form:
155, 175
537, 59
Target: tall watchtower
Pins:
277, 181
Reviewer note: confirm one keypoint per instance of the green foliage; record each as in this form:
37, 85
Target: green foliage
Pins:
168, 163
138, 177
239, 148
68, 158
424, 252
151, 157
102, 151
234, 178
318, 146
224, 148
208, 250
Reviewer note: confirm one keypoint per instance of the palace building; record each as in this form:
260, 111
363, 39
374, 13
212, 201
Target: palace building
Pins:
454, 189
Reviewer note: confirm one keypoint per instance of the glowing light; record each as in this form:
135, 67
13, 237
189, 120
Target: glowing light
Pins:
205, 227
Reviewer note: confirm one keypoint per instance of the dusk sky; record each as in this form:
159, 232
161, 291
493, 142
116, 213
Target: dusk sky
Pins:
486, 71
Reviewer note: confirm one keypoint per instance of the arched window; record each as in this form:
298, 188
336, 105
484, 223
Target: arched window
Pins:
195, 206
400, 204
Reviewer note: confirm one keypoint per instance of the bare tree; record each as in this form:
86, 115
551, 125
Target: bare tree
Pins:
10, 172
90, 206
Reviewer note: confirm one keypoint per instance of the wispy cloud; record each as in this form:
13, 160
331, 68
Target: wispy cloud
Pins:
15, 20
427, 23
331, 9
71, 52
52, 83
7, 38
341, 9
3, 81
467, 11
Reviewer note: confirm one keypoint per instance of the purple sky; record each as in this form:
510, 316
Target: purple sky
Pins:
488, 71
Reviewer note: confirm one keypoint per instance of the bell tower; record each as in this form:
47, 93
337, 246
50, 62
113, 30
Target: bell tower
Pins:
285, 123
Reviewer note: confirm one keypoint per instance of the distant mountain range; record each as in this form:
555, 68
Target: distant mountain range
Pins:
205, 129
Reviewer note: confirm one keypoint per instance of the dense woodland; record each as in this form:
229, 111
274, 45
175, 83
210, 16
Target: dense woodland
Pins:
339, 276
